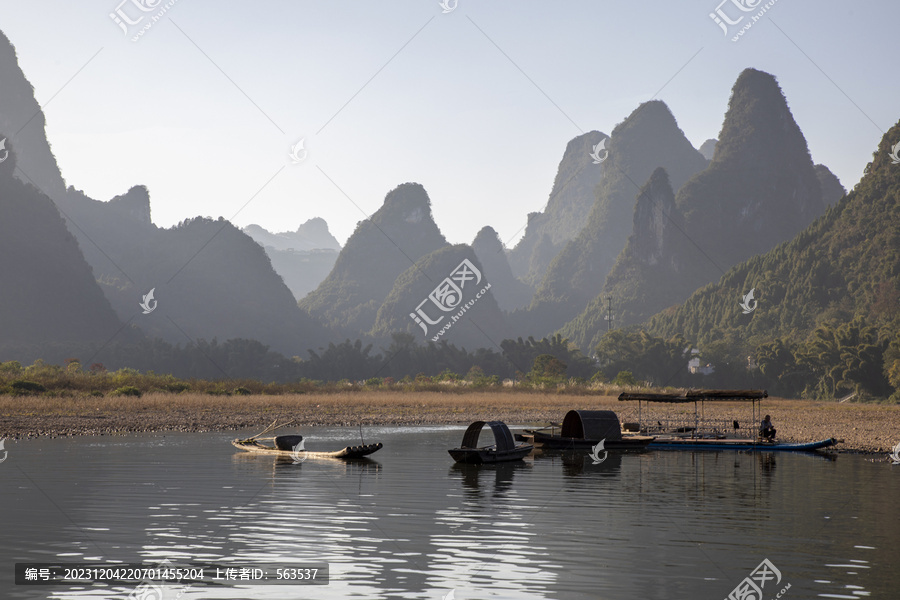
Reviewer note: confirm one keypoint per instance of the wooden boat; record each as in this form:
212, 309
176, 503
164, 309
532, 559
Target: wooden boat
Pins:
704, 435
687, 443
504, 448
291, 446
585, 429
698, 398
251, 445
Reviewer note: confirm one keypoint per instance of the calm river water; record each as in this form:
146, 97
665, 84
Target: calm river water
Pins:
410, 524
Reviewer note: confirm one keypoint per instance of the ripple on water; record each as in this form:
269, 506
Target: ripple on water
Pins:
409, 524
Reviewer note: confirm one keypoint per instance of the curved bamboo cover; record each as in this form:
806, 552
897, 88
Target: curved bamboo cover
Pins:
502, 435
591, 425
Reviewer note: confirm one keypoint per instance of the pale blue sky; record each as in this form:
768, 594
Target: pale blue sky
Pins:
449, 110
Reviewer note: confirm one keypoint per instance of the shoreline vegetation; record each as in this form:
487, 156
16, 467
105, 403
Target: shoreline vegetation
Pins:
864, 427
50, 400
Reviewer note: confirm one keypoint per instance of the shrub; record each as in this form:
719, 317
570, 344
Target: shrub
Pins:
447, 375
481, 382
475, 373
12, 367
373, 381
23, 386
242, 391
625, 378
127, 390
177, 387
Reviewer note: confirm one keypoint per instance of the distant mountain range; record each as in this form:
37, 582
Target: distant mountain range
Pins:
510, 292
570, 203
446, 296
312, 235
638, 223
303, 258
209, 279
381, 248
845, 265
22, 124
760, 189
47, 290
649, 138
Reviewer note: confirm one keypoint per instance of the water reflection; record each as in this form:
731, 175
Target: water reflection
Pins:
576, 463
407, 523
767, 463
492, 480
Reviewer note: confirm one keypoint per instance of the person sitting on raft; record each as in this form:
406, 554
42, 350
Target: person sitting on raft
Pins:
766, 430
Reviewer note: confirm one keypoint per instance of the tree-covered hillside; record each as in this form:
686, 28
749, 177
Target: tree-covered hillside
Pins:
827, 312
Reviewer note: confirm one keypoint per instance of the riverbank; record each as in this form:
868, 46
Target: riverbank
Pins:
870, 428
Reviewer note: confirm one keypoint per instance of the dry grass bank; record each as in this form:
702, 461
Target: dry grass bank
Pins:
864, 427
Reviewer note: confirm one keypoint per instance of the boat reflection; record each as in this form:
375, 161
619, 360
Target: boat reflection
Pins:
496, 479
580, 462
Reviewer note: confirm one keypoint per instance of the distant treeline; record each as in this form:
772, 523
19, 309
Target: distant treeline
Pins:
837, 360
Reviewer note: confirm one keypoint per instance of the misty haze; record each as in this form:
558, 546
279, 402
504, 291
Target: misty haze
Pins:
265, 266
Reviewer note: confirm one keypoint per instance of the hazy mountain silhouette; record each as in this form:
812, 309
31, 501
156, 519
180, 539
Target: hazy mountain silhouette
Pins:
481, 325
844, 265
649, 269
302, 258
311, 235
302, 270
832, 190
22, 123
708, 148
380, 249
647, 139
570, 203
759, 190
210, 279
509, 292
48, 293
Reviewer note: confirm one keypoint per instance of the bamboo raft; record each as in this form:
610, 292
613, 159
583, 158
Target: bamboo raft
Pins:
347, 452
291, 446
